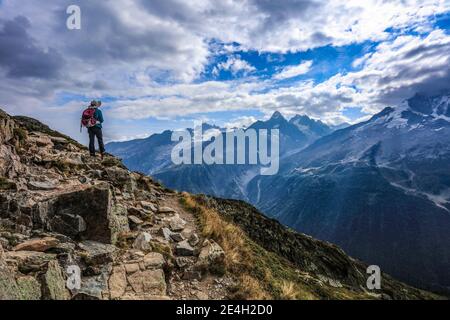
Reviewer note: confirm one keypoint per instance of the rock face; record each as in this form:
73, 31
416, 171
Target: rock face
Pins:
84, 214
53, 283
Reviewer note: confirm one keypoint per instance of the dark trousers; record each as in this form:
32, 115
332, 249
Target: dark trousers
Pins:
95, 132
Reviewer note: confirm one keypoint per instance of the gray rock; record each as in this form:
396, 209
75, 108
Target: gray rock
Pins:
149, 206
151, 282
41, 185
182, 262
97, 253
135, 222
68, 224
143, 242
29, 261
191, 274
177, 237
211, 252
60, 140
83, 179
121, 178
154, 260
95, 287
166, 233
183, 248
194, 239
141, 213
166, 210
177, 224
87, 214
53, 283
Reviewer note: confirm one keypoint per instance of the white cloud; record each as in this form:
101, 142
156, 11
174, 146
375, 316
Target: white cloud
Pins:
240, 122
395, 71
235, 65
294, 71
150, 55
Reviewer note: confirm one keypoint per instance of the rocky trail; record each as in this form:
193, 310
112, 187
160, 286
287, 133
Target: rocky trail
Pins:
129, 237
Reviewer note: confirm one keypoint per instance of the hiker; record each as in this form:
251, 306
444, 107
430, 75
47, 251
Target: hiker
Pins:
92, 119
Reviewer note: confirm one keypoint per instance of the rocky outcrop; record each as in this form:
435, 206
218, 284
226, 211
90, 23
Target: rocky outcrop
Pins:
61, 210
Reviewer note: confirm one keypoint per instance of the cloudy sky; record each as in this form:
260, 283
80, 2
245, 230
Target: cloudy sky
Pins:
160, 64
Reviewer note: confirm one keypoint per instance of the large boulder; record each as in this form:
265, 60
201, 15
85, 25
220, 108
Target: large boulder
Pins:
85, 214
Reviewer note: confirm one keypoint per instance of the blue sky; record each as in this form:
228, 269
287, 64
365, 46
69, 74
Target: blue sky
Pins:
163, 64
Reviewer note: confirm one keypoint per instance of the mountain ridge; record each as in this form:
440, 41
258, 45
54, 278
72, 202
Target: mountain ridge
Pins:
390, 173
134, 239
403, 149
224, 181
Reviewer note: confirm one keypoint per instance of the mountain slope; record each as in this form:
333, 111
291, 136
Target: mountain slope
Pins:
379, 189
152, 156
133, 239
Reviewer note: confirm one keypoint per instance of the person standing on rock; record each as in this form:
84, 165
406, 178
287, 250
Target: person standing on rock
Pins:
92, 119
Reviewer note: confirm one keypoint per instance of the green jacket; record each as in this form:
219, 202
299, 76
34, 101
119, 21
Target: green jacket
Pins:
98, 115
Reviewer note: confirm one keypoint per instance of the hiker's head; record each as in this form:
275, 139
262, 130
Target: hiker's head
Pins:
95, 104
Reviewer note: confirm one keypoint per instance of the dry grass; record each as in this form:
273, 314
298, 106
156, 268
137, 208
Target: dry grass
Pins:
230, 237
260, 274
251, 288
288, 291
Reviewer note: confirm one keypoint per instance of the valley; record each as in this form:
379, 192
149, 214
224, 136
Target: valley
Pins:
366, 187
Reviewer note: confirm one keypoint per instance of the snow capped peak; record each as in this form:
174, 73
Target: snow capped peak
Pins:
414, 113
434, 106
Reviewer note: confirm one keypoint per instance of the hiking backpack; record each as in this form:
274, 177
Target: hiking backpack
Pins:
87, 118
